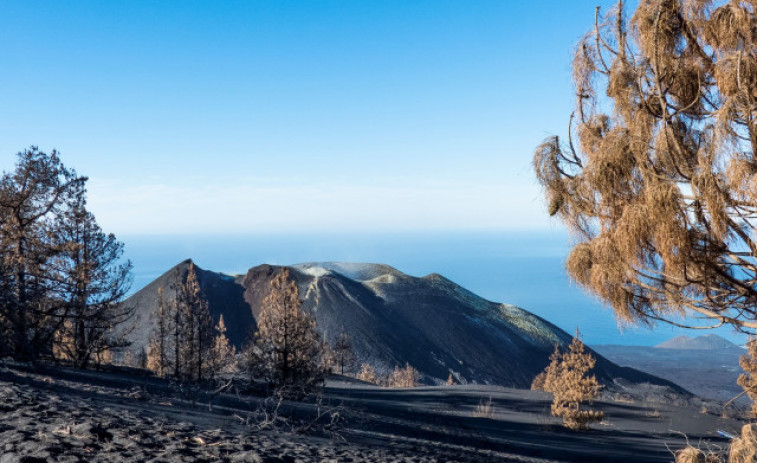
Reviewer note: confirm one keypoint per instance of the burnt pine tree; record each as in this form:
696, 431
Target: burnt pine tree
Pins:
183, 335
198, 326
664, 132
93, 280
343, 354
157, 349
287, 350
61, 277
31, 197
222, 357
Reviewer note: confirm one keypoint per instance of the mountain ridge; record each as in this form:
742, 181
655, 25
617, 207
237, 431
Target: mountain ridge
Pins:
707, 341
393, 318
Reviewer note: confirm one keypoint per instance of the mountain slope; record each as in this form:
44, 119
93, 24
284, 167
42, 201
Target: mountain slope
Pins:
223, 293
697, 364
707, 341
432, 323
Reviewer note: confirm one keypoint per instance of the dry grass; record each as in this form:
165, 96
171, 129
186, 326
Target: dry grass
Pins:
484, 409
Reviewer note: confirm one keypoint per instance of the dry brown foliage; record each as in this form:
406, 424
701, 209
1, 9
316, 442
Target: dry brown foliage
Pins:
748, 380
222, 356
658, 180
368, 374
404, 377
61, 277
566, 378
182, 342
538, 383
690, 455
288, 349
744, 448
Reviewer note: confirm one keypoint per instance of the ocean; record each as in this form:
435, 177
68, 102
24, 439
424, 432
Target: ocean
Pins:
524, 269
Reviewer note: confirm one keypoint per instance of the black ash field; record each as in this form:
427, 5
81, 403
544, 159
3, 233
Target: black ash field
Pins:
64, 415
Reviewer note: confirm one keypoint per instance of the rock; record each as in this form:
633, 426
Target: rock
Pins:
10, 458
102, 434
247, 457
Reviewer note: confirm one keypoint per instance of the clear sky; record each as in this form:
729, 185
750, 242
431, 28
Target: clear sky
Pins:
209, 117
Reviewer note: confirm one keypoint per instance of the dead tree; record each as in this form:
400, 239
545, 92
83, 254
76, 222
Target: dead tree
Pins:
287, 349
566, 377
664, 132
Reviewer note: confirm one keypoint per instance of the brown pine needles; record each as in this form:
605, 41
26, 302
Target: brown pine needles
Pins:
566, 377
658, 180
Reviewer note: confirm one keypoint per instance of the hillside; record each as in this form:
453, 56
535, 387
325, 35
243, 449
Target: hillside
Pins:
223, 293
699, 364
707, 341
393, 318
121, 415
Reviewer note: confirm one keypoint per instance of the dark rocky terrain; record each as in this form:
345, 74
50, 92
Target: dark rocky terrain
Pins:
707, 366
64, 415
393, 318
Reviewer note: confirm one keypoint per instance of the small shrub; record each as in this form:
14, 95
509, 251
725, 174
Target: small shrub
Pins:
566, 378
450, 380
367, 374
744, 448
404, 377
748, 380
484, 409
690, 455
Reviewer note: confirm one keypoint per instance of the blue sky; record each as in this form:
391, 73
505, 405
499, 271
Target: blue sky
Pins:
210, 117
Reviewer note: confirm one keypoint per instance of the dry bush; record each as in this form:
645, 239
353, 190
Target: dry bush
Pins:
451, 380
744, 448
748, 380
538, 383
566, 378
404, 377
484, 409
368, 374
690, 454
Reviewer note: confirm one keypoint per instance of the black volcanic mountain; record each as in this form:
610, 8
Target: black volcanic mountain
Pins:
225, 296
393, 318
